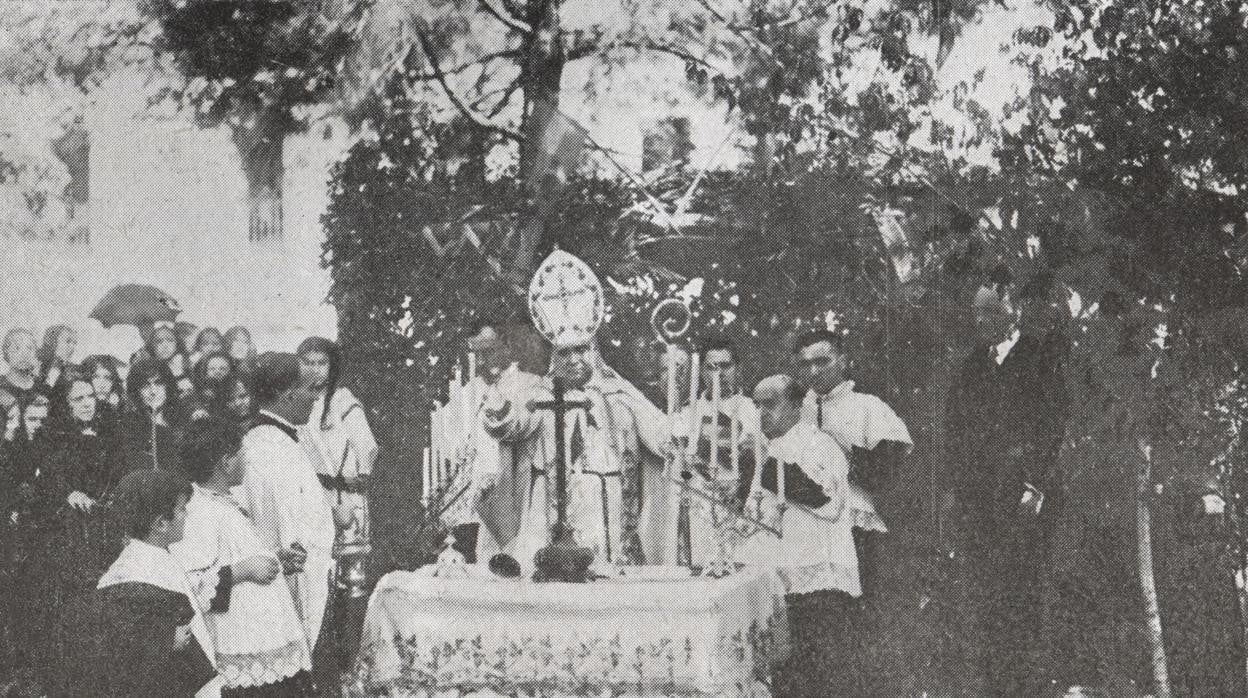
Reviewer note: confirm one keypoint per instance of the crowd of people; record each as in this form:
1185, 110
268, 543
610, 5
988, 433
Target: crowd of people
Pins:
152, 508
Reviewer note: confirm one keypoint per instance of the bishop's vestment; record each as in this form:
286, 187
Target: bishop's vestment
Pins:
615, 478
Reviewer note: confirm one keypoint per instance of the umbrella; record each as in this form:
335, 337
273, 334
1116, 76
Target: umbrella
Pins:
136, 304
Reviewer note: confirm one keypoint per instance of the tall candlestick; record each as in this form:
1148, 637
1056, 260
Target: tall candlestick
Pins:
695, 415
780, 484
426, 465
714, 435
756, 483
672, 385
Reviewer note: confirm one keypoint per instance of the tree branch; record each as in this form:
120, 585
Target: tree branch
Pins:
584, 49
507, 19
483, 60
426, 47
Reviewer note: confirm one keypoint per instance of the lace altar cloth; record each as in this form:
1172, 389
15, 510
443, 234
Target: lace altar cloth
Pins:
652, 633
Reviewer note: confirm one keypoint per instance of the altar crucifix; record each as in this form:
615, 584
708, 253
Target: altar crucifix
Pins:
560, 406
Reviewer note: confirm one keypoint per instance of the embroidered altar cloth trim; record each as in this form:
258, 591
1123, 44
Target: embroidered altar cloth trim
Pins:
694, 636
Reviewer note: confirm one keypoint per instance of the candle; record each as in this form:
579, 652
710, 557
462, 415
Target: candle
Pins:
472, 366
672, 389
756, 484
426, 465
714, 435
695, 416
734, 434
780, 484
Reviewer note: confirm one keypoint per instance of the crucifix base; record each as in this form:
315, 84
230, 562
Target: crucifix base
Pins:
563, 560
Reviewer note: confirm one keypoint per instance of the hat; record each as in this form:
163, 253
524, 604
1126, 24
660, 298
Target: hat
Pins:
566, 300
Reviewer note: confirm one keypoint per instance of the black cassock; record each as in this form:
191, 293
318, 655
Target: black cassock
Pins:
1005, 425
119, 642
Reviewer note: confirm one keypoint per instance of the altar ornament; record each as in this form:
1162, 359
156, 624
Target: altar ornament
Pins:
451, 563
446, 463
563, 560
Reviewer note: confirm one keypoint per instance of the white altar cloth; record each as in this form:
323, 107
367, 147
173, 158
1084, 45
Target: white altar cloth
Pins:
654, 635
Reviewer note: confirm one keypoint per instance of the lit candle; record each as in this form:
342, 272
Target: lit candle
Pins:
714, 435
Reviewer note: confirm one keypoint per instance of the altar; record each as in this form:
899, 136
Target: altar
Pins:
656, 631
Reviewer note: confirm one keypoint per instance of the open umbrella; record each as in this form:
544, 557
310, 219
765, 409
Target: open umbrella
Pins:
136, 304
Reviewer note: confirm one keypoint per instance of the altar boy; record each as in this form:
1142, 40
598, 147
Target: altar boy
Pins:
141, 634
803, 490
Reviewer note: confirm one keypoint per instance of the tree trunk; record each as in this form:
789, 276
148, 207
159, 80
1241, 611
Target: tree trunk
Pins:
259, 140
542, 79
1148, 586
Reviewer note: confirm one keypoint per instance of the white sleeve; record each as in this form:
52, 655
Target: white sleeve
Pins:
199, 554
359, 434
268, 502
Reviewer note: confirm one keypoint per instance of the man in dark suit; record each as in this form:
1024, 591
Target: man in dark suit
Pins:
1006, 417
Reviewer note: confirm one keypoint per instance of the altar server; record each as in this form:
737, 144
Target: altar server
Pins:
289, 506
805, 497
152, 638
803, 490
614, 446
873, 439
259, 640
337, 435
717, 408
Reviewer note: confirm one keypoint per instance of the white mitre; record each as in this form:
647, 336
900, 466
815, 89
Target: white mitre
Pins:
566, 300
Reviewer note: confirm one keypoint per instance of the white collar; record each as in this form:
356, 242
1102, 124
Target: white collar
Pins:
844, 388
141, 561
277, 419
1002, 350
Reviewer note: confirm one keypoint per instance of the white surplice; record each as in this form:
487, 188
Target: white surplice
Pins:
342, 443
816, 552
288, 505
259, 639
857, 420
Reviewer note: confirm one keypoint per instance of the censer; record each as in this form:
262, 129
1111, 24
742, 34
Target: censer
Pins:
351, 550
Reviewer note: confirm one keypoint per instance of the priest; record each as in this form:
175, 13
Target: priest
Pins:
289, 506
499, 484
614, 438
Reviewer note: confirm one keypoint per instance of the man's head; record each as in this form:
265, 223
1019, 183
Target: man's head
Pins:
279, 388
995, 315
574, 363
35, 415
1042, 306
151, 505
719, 355
821, 360
486, 341
20, 351
211, 451
779, 401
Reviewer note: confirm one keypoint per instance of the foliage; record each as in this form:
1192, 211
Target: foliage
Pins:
243, 57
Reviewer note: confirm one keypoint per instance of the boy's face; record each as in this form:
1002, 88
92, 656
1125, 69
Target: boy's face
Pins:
169, 530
